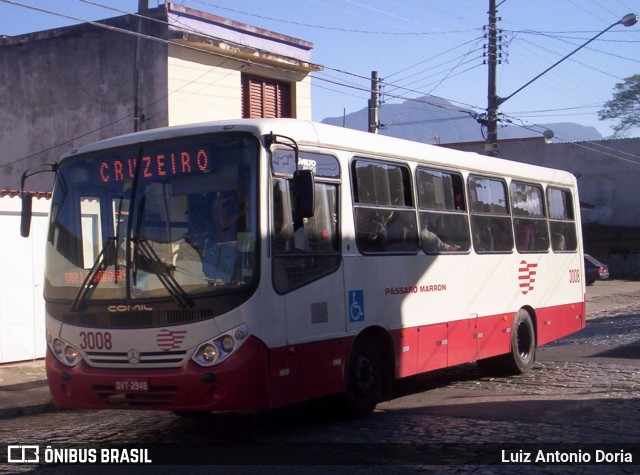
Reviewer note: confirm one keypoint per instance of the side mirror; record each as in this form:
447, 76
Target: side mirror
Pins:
25, 215
304, 192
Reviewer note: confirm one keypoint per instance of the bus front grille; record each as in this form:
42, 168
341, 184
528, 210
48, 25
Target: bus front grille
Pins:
158, 359
135, 319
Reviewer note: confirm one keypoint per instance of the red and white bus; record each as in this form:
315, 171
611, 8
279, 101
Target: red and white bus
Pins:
256, 263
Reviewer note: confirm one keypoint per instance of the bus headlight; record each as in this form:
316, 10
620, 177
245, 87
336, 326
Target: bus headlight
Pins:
58, 347
215, 351
207, 353
227, 343
71, 355
64, 352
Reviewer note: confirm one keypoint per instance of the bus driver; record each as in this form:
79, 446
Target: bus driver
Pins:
220, 256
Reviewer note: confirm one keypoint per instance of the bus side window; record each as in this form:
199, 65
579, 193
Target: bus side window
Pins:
529, 217
561, 220
305, 249
384, 214
444, 223
490, 220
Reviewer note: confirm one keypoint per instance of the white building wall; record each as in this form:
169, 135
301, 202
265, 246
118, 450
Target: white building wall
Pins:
303, 99
202, 87
22, 332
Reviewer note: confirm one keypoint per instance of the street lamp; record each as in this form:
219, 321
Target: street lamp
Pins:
495, 101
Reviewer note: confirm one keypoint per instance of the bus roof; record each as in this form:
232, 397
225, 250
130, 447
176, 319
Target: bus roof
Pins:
307, 133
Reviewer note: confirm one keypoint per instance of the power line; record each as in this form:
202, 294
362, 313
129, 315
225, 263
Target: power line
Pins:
325, 27
336, 81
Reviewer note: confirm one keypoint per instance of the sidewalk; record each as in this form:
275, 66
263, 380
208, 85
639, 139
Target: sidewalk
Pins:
23, 389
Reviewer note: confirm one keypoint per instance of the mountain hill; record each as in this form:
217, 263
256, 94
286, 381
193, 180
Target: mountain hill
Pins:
432, 120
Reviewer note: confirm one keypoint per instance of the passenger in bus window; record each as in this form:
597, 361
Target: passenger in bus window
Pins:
371, 229
432, 244
482, 238
199, 228
459, 202
559, 242
524, 236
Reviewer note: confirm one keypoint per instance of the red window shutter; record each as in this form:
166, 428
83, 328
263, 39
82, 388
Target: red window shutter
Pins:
269, 98
265, 98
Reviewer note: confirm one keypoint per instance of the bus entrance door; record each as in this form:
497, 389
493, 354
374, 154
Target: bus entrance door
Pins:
315, 324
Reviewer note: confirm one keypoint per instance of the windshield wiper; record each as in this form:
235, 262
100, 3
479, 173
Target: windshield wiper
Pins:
162, 271
90, 282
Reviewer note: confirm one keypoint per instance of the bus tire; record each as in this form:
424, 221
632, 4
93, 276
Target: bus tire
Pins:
364, 381
523, 350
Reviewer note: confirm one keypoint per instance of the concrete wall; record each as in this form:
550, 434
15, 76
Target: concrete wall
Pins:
22, 333
70, 86
66, 87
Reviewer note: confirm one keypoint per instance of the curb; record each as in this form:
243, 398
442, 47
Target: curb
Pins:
26, 399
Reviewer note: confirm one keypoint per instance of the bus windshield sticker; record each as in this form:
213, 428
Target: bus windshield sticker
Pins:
326, 166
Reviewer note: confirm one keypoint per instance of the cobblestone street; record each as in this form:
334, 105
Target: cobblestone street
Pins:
584, 389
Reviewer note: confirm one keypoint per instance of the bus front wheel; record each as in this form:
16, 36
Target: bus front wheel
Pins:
364, 381
523, 350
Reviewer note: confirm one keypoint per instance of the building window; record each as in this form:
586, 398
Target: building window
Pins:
265, 98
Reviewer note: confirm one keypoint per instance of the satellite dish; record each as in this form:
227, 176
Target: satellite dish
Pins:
548, 134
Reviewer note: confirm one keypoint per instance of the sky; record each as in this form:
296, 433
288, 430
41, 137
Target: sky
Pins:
421, 47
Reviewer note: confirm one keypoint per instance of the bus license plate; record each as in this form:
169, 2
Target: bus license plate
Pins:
132, 385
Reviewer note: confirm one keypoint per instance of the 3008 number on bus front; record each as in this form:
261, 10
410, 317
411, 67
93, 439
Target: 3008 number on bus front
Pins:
96, 340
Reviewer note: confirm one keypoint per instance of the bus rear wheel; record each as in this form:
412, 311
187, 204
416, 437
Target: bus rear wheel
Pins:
364, 381
523, 350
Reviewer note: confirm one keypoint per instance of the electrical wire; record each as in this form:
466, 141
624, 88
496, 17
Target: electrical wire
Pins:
351, 86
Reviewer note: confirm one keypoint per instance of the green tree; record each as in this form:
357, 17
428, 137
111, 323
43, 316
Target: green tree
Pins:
625, 106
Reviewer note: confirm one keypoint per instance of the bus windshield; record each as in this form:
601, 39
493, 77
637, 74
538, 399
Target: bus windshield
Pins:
157, 220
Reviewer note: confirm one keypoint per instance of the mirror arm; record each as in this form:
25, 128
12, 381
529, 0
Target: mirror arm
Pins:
27, 199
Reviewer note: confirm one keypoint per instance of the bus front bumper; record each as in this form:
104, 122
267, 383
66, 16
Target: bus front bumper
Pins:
238, 383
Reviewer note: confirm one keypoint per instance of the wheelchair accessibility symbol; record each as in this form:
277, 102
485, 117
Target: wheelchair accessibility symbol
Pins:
356, 306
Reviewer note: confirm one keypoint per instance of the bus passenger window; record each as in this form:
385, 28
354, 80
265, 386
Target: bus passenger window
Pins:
385, 218
444, 223
529, 218
490, 220
561, 220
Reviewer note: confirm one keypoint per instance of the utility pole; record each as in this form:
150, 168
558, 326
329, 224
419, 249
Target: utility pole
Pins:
491, 147
494, 101
373, 104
